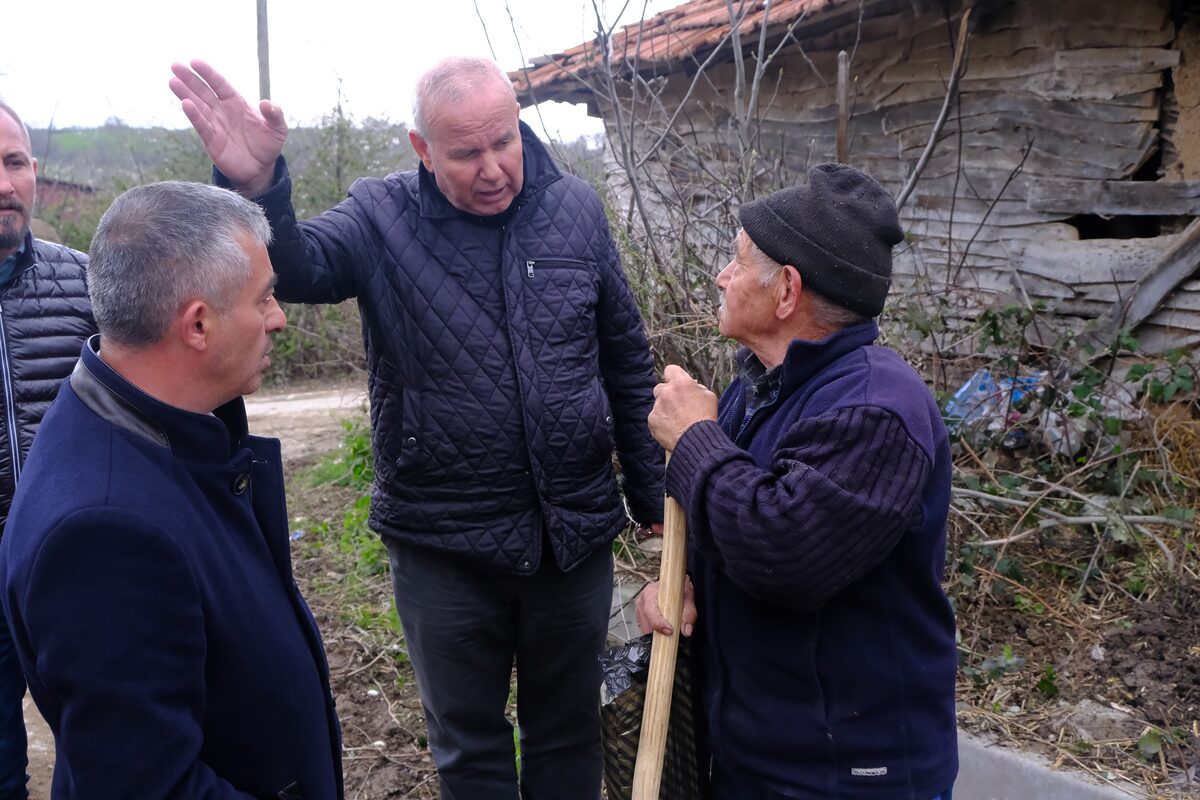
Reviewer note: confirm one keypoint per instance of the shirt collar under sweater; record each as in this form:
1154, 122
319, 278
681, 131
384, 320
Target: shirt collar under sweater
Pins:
804, 358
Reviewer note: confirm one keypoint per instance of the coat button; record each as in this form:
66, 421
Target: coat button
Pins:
240, 483
524, 565
411, 441
608, 419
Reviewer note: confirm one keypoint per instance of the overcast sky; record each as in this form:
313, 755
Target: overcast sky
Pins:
81, 62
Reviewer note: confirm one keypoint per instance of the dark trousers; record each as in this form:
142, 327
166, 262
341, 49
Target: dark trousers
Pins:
729, 786
465, 628
13, 759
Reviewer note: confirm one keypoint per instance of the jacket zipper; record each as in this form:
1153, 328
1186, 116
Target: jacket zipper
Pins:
509, 301
529, 265
9, 405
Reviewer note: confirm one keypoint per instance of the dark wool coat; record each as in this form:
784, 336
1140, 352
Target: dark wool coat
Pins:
819, 536
147, 582
506, 358
45, 315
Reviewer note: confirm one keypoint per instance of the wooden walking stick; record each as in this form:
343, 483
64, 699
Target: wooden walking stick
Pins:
652, 743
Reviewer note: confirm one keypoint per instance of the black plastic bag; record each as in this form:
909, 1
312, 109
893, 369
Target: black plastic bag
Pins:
623, 695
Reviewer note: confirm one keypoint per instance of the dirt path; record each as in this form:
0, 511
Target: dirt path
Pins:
306, 422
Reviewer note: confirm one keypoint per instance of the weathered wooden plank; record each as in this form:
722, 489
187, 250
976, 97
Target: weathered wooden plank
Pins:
938, 258
1017, 65
1081, 86
976, 183
1057, 293
970, 218
1049, 34
1182, 300
946, 161
1032, 62
1158, 198
1116, 59
1091, 261
1150, 16
937, 229
1120, 161
803, 122
1175, 267
1048, 85
923, 113
1125, 134
1183, 334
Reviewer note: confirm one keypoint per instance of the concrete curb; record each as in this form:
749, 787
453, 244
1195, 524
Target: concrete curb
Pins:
990, 771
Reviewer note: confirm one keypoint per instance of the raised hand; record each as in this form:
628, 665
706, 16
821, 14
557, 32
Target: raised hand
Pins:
242, 141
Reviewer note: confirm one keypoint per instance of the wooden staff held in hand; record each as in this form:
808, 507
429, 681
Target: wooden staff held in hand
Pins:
667, 605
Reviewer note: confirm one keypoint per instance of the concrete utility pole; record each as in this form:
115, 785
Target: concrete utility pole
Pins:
264, 59
843, 108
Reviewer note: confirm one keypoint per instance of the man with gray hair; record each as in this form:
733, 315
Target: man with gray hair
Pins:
816, 492
506, 360
44, 318
145, 574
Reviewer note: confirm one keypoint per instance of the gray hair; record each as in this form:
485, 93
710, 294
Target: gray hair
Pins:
448, 81
7, 109
827, 314
162, 245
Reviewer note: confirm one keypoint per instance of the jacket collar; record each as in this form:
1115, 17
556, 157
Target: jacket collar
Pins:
539, 172
212, 438
806, 358
25, 259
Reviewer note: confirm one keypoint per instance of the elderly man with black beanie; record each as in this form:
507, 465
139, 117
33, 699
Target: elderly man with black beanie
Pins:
816, 492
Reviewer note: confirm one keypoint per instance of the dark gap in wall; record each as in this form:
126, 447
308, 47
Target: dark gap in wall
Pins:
1094, 226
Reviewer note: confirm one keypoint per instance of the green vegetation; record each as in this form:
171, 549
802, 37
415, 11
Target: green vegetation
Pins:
324, 160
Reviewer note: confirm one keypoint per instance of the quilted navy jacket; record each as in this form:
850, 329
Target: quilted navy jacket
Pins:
818, 533
45, 315
506, 359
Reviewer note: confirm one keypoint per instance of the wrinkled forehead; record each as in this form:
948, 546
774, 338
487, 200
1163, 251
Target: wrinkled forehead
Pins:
744, 245
475, 107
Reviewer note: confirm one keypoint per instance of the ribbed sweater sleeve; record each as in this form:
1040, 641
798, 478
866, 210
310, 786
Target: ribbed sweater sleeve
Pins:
841, 490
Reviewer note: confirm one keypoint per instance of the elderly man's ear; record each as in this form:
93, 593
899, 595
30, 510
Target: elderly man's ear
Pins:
789, 290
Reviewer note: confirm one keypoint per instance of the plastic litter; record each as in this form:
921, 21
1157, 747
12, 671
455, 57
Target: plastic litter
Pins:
622, 698
990, 404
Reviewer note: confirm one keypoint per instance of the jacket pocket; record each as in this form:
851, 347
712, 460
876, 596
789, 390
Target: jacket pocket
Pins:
560, 301
401, 446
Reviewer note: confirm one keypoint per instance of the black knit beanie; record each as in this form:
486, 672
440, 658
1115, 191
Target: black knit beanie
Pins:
838, 232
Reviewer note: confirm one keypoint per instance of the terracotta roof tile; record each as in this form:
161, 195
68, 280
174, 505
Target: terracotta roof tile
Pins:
687, 31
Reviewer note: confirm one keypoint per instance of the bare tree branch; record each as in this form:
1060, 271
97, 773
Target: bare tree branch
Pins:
952, 86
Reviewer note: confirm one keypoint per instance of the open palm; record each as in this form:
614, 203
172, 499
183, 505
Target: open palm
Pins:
242, 141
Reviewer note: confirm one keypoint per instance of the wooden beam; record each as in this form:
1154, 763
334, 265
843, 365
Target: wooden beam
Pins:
1147, 294
1153, 198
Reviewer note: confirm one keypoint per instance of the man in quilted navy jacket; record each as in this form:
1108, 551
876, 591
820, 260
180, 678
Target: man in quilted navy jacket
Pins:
816, 494
44, 318
506, 361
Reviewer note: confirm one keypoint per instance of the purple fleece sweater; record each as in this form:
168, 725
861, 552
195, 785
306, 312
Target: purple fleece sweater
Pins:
818, 532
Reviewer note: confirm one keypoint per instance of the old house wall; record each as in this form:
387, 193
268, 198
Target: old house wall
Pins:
1054, 92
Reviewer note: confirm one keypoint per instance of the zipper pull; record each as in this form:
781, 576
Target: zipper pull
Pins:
529, 269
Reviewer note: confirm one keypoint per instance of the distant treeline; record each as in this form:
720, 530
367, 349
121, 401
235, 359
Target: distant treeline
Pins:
93, 165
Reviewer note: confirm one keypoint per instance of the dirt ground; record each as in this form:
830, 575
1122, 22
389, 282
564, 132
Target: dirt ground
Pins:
1118, 666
